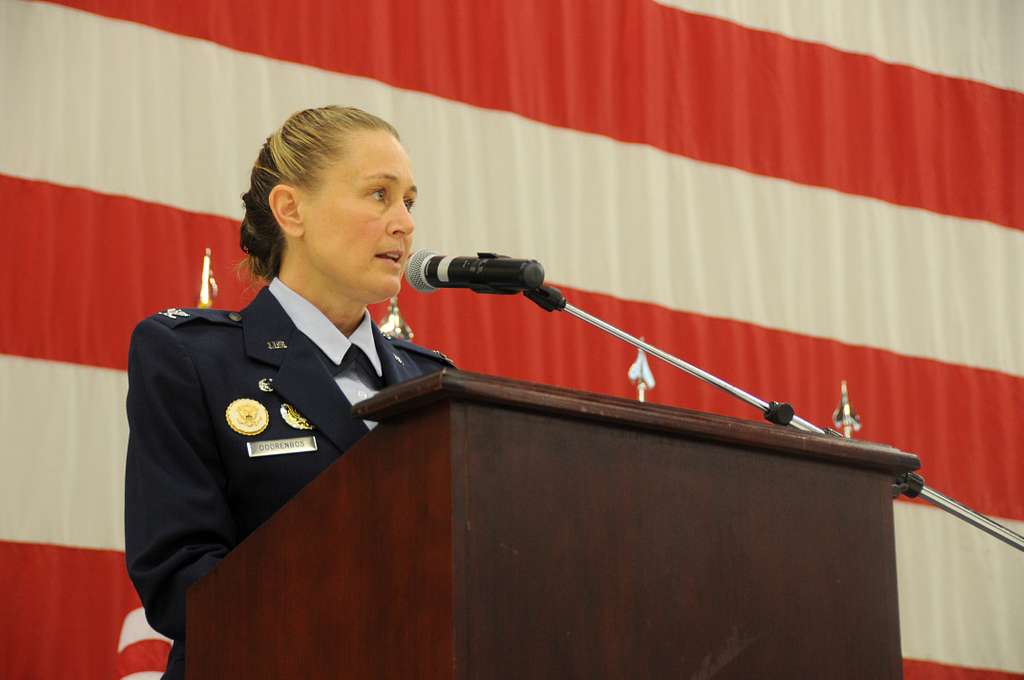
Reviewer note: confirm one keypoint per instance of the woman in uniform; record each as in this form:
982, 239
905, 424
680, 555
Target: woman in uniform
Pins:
231, 413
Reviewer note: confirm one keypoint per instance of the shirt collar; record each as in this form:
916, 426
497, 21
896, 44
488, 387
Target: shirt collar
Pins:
319, 329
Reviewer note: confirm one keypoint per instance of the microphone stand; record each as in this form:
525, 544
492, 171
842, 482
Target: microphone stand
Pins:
909, 484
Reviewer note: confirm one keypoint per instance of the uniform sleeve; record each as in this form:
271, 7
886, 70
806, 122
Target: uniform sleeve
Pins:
177, 521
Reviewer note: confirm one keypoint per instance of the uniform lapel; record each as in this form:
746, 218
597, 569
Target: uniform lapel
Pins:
304, 382
394, 367
302, 379
267, 329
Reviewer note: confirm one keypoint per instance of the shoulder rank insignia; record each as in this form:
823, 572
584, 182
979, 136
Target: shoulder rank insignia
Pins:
422, 351
174, 313
247, 416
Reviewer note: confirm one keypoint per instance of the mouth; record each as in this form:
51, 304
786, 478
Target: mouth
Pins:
392, 255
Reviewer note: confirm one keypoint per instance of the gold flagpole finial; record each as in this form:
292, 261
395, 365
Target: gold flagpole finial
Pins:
844, 416
207, 284
393, 324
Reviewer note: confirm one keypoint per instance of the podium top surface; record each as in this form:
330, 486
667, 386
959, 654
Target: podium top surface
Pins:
461, 386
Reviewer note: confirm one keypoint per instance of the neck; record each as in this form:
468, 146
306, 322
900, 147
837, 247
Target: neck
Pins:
345, 314
346, 317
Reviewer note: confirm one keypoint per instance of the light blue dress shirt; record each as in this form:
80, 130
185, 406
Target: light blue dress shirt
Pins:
331, 341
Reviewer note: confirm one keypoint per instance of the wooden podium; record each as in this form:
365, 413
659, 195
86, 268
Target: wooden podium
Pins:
496, 529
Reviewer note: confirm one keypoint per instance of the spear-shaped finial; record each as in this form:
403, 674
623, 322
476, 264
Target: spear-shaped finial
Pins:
844, 416
393, 324
640, 375
207, 284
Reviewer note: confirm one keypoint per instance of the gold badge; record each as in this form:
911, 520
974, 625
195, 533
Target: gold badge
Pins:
294, 418
247, 416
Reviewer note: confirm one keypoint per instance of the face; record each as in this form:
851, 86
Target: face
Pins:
356, 234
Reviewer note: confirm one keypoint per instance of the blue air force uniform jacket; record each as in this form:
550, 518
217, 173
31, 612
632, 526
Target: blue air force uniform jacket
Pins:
192, 492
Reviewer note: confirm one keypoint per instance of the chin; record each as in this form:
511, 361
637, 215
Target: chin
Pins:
386, 292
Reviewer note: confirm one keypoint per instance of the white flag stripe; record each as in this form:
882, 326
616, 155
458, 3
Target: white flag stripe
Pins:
951, 609
944, 565
65, 433
975, 39
137, 629
849, 268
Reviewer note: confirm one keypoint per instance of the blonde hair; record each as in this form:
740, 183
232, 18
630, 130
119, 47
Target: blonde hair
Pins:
296, 154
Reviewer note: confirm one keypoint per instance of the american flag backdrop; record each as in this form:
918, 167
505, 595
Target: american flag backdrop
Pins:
787, 193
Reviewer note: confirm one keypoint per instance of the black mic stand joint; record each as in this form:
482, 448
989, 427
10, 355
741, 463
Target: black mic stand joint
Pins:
779, 412
909, 484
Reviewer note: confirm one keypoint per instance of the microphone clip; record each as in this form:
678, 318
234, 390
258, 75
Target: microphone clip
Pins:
548, 298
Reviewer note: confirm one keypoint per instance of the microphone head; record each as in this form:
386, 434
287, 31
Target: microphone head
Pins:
416, 271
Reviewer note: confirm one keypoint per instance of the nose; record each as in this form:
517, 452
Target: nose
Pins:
401, 222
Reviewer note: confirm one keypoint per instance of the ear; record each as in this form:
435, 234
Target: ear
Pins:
284, 203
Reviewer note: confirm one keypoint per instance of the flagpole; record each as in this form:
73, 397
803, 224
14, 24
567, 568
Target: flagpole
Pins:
640, 375
844, 416
393, 324
207, 283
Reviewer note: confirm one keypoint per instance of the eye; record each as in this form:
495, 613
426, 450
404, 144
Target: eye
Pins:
380, 195
409, 203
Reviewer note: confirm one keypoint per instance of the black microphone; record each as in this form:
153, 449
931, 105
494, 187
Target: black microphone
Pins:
485, 273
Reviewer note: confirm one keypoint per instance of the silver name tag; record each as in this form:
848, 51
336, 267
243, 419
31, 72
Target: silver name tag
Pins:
276, 447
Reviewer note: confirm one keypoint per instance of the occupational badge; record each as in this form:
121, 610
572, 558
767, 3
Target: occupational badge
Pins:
294, 418
247, 416
266, 384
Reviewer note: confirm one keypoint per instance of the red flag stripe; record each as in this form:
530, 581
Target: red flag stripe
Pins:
958, 419
63, 610
914, 669
148, 656
690, 84
89, 288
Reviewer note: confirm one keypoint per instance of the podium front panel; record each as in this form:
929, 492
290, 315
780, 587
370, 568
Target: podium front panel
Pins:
597, 551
